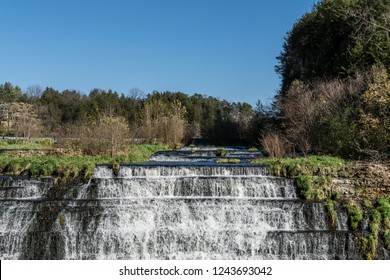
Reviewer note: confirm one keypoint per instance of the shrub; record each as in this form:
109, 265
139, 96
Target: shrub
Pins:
274, 144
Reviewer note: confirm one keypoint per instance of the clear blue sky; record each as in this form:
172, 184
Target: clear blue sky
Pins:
222, 48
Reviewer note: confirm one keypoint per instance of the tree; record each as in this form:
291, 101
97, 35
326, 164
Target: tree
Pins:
375, 114
9, 93
34, 92
115, 131
335, 40
109, 136
21, 119
163, 122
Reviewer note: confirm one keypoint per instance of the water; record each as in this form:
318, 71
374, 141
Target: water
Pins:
169, 210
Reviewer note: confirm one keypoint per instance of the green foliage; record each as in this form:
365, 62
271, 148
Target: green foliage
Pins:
69, 167
252, 149
313, 187
367, 204
386, 236
384, 208
379, 226
62, 221
221, 152
294, 167
335, 39
228, 160
33, 143
331, 212
9, 93
355, 215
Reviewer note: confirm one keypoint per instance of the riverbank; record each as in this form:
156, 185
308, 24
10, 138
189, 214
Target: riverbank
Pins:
63, 164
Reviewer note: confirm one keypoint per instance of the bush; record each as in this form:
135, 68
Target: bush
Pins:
274, 144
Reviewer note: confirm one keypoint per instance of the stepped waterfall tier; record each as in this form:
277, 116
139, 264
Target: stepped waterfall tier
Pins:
180, 205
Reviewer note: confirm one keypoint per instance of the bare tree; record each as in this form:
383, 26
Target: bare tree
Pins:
136, 93
114, 130
21, 119
34, 91
274, 144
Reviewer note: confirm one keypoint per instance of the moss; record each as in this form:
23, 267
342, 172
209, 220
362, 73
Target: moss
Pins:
62, 221
386, 237
367, 204
384, 208
305, 186
252, 149
221, 152
313, 187
331, 213
228, 160
115, 168
355, 215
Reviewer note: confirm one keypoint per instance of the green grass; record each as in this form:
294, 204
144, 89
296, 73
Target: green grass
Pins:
355, 215
70, 166
228, 160
294, 167
33, 143
314, 187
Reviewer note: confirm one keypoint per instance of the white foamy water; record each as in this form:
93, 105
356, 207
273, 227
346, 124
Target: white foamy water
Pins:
170, 210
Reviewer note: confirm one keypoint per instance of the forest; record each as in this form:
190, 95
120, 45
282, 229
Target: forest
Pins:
334, 99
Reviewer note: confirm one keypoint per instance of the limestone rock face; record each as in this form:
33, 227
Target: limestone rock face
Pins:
364, 180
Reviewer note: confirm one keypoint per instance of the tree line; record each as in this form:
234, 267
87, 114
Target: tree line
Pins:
173, 118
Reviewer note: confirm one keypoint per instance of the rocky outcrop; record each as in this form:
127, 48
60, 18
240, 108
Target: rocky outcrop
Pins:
363, 180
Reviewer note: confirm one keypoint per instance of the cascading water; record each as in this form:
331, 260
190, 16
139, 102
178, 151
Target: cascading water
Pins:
169, 210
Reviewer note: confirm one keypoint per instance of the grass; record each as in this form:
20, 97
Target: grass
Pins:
355, 214
33, 143
315, 188
70, 166
228, 160
294, 167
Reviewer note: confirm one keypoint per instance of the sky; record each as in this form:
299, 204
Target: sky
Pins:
222, 48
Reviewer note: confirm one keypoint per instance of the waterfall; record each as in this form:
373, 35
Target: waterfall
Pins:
170, 210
